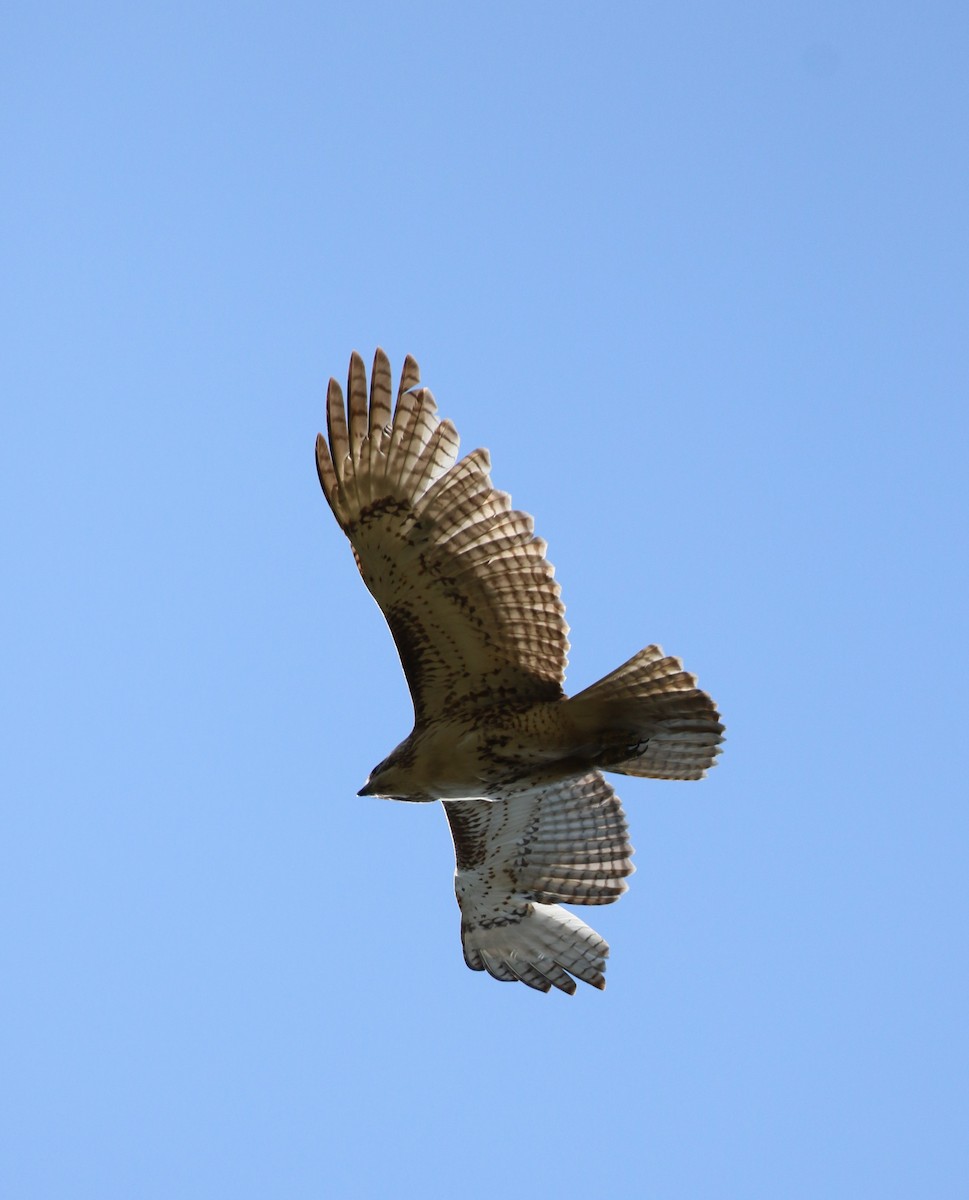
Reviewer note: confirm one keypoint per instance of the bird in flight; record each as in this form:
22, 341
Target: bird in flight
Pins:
472, 605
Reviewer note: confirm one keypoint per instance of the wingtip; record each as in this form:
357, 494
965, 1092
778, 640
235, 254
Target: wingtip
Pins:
410, 376
326, 473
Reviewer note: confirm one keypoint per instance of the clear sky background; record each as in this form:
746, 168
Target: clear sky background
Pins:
697, 276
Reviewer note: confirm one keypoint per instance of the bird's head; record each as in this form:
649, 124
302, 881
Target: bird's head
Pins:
393, 779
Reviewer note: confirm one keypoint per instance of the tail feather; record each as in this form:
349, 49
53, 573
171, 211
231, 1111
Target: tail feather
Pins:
651, 719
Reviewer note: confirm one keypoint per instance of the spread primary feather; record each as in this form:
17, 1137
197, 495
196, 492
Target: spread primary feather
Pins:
480, 629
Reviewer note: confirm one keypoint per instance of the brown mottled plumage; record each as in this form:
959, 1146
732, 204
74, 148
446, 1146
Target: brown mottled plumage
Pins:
480, 629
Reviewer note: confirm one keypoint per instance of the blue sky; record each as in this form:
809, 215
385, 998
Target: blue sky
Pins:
697, 276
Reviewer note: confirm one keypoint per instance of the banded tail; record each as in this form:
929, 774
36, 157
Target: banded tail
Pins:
649, 718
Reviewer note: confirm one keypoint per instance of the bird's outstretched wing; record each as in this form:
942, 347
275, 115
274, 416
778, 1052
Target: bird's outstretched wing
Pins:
518, 859
462, 580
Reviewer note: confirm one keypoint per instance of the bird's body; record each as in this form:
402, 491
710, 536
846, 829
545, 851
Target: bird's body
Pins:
483, 755
472, 605
492, 754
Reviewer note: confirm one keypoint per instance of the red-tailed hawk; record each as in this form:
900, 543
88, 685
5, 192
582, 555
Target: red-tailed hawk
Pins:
472, 605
